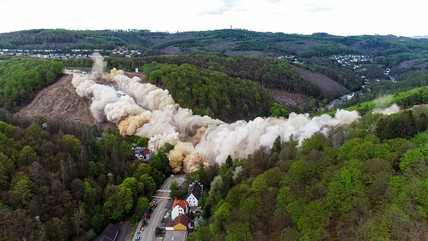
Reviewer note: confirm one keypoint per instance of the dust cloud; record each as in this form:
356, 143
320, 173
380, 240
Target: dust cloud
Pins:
388, 111
144, 109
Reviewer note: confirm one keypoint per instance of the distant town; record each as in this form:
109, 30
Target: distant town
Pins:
71, 54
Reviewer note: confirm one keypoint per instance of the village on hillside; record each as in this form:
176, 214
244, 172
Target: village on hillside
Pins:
120, 51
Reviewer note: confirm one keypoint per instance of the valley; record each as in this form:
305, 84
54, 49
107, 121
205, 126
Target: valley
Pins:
244, 114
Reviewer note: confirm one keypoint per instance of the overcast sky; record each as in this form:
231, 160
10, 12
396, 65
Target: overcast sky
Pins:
338, 17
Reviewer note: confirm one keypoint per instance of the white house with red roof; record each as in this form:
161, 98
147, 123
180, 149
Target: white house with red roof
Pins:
179, 207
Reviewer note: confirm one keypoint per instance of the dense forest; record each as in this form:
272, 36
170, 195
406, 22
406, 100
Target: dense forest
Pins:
21, 79
268, 72
211, 93
355, 183
63, 181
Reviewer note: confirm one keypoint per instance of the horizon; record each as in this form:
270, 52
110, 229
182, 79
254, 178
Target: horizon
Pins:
336, 17
238, 29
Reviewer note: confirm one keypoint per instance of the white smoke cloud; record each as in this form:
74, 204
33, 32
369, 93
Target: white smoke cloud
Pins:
123, 107
388, 111
241, 138
146, 110
162, 123
147, 95
99, 66
159, 141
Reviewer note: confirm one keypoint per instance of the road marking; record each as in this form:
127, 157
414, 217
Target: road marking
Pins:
163, 190
162, 197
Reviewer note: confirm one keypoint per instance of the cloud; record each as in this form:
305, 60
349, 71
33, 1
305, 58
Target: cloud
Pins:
323, 6
225, 6
295, 16
319, 8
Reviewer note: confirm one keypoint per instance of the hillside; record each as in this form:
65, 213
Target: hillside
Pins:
352, 61
60, 101
366, 181
388, 50
324, 83
21, 79
56, 186
278, 76
233, 42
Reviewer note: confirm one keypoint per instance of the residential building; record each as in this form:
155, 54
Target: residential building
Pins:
180, 223
179, 207
142, 153
194, 194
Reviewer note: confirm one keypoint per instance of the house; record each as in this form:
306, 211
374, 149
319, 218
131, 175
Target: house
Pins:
194, 194
180, 223
179, 207
142, 153
109, 233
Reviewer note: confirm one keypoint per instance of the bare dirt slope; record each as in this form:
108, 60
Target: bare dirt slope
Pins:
290, 100
326, 84
60, 101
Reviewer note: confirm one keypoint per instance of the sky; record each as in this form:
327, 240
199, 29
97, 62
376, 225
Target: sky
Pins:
337, 17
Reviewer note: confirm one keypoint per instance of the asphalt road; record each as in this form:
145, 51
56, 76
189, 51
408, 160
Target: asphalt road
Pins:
163, 193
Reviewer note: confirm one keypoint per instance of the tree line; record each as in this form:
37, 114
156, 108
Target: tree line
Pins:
346, 184
65, 181
211, 93
22, 78
268, 72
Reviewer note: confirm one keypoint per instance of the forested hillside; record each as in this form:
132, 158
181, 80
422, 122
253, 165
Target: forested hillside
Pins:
405, 100
21, 79
225, 41
352, 184
268, 72
66, 182
210, 92
358, 63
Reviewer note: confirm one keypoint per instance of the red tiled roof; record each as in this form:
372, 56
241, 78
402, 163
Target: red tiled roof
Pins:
183, 219
169, 224
180, 203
